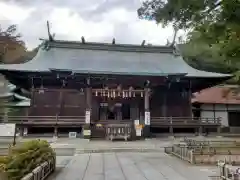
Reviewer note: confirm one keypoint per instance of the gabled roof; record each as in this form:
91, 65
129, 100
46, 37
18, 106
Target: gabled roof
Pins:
102, 58
218, 95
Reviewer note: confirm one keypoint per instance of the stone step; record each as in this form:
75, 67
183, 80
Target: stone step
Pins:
106, 150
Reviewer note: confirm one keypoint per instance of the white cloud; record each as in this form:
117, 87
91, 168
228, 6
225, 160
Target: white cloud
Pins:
71, 26
13, 13
94, 19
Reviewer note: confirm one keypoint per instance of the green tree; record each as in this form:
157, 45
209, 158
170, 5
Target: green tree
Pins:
11, 45
211, 23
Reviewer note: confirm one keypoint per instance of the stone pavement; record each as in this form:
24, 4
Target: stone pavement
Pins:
123, 166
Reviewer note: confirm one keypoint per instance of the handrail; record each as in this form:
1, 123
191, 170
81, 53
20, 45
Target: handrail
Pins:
185, 118
185, 121
45, 119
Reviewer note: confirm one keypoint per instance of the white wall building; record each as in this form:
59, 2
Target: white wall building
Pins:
219, 102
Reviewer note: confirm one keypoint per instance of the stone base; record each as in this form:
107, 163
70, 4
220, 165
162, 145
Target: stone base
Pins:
171, 137
201, 136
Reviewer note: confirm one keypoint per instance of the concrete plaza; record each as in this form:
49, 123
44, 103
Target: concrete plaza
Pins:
128, 166
139, 160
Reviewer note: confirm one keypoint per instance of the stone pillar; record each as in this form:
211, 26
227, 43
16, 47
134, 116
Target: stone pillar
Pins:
88, 94
147, 116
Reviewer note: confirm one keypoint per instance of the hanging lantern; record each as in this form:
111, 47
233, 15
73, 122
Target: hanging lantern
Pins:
123, 94
134, 94
96, 93
130, 93
126, 94
141, 94
114, 94
108, 94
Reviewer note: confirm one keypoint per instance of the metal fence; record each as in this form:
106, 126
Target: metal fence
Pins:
41, 172
227, 172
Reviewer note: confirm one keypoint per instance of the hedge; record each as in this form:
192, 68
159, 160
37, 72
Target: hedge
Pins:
22, 159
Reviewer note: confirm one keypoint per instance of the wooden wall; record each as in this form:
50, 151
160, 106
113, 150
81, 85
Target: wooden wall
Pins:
174, 102
164, 102
62, 102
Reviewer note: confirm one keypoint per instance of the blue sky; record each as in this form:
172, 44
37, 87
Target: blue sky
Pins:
96, 20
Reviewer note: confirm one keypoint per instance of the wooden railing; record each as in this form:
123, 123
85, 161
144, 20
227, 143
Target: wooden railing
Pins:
80, 120
109, 121
45, 120
184, 121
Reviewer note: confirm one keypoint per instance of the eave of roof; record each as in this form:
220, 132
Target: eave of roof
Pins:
217, 95
103, 58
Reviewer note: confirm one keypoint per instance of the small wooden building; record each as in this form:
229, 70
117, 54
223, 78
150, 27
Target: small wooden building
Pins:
76, 83
219, 102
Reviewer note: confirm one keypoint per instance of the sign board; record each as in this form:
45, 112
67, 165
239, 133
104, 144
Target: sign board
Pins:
86, 132
72, 134
147, 118
87, 117
7, 130
138, 132
136, 122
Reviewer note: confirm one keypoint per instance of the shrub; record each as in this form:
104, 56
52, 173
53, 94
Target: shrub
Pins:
22, 159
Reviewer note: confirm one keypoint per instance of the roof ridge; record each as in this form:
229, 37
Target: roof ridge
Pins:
108, 46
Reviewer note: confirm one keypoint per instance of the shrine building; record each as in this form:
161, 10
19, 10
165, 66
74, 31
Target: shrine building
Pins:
74, 84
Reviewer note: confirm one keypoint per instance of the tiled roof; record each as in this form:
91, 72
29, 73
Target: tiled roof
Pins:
218, 95
102, 58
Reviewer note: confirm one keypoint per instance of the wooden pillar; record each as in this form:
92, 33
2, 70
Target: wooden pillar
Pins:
190, 98
200, 130
171, 127
119, 111
103, 111
88, 94
21, 131
171, 130
55, 131
88, 102
219, 128
147, 116
164, 105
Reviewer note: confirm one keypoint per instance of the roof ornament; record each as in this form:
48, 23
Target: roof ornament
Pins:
50, 36
83, 40
113, 41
